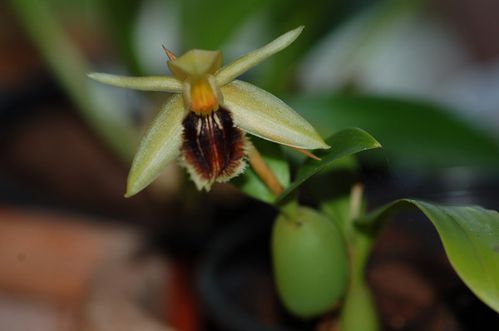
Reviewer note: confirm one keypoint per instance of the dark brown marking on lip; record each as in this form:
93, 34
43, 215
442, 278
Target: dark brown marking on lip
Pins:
212, 145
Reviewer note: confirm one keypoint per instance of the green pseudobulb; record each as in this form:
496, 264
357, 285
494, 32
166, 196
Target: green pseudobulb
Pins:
310, 262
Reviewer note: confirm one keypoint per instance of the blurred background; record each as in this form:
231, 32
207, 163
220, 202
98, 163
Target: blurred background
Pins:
420, 76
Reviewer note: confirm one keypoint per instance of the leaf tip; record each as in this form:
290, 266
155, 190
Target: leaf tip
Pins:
96, 76
129, 192
299, 29
295, 33
132, 188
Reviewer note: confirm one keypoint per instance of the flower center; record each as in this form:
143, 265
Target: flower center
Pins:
203, 98
196, 69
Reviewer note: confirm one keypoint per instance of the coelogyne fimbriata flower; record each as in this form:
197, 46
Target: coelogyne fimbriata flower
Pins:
205, 121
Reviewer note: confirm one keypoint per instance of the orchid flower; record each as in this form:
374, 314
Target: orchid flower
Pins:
204, 123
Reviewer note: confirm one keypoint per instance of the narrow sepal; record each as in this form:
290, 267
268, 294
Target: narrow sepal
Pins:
196, 62
150, 83
266, 116
160, 145
234, 69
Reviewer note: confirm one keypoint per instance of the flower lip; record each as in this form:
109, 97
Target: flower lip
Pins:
213, 149
195, 63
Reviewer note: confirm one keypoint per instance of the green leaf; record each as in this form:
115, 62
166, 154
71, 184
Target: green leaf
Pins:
470, 236
250, 183
343, 143
415, 134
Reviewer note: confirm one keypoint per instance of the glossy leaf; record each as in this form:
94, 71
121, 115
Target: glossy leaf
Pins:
343, 143
470, 236
414, 134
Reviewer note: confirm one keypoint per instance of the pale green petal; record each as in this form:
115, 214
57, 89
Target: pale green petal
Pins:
160, 145
234, 69
264, 115
151, 83
196, 62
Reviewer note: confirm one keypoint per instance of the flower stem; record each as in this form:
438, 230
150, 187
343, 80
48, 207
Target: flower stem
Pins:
263, 171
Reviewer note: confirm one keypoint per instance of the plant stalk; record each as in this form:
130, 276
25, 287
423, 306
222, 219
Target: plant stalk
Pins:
263, 171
